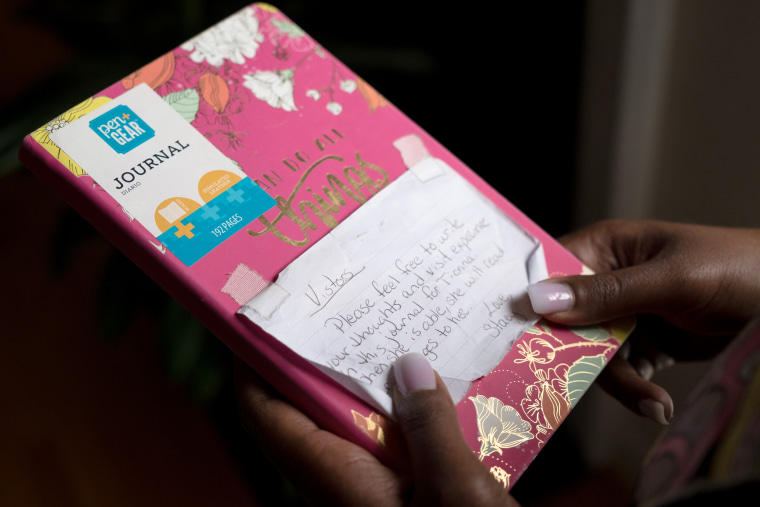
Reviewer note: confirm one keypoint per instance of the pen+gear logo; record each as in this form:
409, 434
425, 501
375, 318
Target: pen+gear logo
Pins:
122, 129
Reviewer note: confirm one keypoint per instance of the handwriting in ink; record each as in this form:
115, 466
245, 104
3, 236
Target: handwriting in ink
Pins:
330, 289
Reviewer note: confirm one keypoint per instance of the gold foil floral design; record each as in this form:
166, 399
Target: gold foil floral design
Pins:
499, 426
371, 425
500, 475
547, 401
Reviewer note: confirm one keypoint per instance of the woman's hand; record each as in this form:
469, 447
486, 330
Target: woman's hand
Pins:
329, 470
695, 285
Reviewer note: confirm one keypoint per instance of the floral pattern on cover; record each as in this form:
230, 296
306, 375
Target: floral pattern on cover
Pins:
513, 413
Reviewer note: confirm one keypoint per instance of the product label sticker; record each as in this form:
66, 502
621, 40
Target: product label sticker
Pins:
164, 173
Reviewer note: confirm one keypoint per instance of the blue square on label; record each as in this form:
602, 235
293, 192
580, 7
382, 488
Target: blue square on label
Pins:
122, 129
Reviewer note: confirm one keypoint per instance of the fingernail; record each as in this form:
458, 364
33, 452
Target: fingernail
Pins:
547, 298
663, 361
625, 350
643, 367
413, 372
654, 410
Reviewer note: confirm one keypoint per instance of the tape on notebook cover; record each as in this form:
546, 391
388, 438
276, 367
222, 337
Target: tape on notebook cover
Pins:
266, 302
244, 284
417, 158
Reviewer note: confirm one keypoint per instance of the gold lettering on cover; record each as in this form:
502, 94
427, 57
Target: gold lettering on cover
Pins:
368, 178
321, 144
293, 165
272, 180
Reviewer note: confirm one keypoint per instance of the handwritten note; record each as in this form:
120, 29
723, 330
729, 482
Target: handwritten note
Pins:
431, 267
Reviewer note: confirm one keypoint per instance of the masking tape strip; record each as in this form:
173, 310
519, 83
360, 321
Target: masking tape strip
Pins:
427, 169
244, 284
417, 158
266, 302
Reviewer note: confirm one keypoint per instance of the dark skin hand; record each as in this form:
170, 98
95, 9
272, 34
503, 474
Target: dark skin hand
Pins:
329, 470
694, 286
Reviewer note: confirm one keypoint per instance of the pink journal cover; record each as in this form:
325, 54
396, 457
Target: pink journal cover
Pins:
320, 141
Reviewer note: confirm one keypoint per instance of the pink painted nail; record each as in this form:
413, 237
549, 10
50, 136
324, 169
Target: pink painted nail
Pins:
413, 372
654, 410
547, 298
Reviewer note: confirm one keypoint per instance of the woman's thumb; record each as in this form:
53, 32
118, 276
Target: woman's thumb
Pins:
426, 414
590, 299
445, 468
